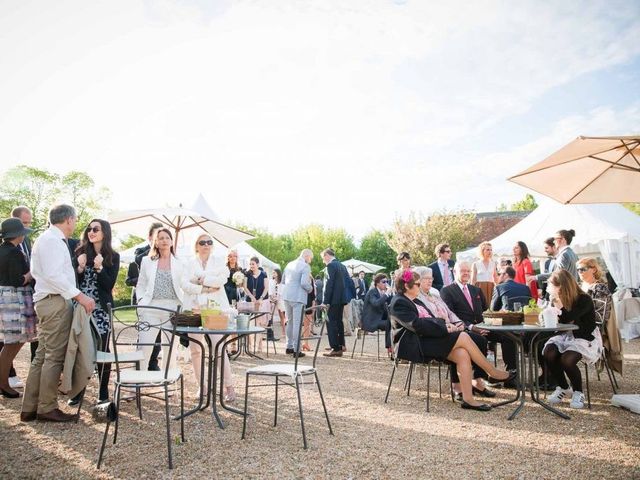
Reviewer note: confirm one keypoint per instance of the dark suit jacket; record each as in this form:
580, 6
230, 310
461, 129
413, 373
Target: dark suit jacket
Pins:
505, 294
375, 310
134, 267
457, 303
361, 288
336, 285
438, 281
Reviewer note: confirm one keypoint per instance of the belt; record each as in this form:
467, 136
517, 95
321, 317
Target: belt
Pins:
51, 295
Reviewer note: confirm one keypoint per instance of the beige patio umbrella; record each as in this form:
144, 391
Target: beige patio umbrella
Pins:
357, 266
588, 170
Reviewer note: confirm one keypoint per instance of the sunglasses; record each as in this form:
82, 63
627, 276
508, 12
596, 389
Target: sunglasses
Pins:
202, 243
384, 281
447, 251
583, 269
93, 229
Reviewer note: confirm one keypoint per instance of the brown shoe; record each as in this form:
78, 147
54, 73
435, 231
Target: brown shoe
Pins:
56, 415
27, 416
344, 348
333, 353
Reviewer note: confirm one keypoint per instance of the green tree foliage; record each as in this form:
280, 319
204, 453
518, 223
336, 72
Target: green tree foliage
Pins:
374, 248
419, 236
634, 207
317, 238
40, 189
527, 204
130, 241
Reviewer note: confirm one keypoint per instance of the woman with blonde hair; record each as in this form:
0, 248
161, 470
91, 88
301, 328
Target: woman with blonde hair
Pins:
594, 283
484, 272
563, 352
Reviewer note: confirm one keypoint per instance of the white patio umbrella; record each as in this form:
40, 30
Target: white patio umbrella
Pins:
179, 220
588, 170
357, 266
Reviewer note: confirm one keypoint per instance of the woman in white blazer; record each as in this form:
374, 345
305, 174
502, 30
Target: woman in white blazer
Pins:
163, 282
212, 275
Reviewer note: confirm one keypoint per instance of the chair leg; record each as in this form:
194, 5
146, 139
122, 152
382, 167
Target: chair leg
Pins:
378, 339
364, 337
275, 413
80, 404
409, 378
612, 377
428, 384
586, 377
138, 397
355, 342
246, 399
167, 420
324, 406
440, 379
304, 434
393, 371
104, 442
117, 398
182, 408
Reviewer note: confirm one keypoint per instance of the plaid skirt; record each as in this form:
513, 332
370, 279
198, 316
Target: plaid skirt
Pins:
17, 317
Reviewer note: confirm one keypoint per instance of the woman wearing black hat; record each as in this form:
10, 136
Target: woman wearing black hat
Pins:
17, 317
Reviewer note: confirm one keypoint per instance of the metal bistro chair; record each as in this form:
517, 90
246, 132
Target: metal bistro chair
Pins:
292, 371
144, 379
602, 315
362, 334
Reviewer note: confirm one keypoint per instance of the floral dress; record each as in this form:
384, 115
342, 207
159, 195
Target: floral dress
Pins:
89, 286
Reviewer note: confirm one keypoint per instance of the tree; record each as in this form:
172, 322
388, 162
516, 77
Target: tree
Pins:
634, 207
374, 248
527, 204
317, 238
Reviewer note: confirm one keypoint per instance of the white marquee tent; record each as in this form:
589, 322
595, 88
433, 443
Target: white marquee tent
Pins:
609, 231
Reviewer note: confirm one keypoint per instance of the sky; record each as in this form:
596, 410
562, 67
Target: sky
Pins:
283, 113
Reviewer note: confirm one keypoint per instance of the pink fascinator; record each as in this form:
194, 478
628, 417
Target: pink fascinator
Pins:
407, 276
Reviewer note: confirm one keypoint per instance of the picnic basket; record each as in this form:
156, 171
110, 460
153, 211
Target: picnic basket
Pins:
503, 317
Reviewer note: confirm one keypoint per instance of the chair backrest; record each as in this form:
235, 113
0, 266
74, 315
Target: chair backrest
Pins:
317, 338
602, 308
125, 329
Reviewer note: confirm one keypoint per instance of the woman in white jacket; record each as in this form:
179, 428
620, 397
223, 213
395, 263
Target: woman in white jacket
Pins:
212, 275
163, 282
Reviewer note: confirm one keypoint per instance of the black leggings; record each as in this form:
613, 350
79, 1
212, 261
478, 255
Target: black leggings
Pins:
560, 363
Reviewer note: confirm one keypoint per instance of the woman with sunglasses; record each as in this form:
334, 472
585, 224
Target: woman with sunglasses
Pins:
205, 271
375, 312
97, 270
421, 336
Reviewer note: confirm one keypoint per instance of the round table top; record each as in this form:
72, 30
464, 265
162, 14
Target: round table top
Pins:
219, 331
561, 327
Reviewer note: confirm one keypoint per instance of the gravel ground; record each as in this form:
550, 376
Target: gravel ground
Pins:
372, 440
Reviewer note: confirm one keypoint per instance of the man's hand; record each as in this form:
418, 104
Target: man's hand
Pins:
88, 303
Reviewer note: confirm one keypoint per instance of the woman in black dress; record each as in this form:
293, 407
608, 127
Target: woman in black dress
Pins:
421, 337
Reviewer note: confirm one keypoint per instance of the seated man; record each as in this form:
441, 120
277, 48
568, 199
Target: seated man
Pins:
508, 292
375, 313
468, 303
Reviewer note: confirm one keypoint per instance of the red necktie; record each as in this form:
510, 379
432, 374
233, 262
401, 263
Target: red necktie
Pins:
467, 295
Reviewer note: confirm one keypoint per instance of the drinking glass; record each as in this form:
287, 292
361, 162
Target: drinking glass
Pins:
517, 306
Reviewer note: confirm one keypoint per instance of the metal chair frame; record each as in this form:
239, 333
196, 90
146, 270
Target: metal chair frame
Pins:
362, 334
297, 373
168, 334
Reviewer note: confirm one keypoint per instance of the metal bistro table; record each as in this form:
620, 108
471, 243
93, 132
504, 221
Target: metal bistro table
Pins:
212, 368
243, 343
517, 334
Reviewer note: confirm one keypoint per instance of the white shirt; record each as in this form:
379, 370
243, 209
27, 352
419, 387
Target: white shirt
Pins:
51, 266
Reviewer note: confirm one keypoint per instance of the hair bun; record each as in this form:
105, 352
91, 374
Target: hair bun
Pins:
572, 232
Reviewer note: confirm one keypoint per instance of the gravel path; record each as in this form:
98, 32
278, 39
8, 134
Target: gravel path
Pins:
372, 440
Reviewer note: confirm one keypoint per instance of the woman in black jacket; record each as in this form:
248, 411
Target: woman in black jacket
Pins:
97, 270
563, 352
420, 337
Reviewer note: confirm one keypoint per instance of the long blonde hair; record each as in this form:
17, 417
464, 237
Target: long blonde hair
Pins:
569, 291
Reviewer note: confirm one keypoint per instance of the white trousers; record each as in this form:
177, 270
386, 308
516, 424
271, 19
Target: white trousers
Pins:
155, 318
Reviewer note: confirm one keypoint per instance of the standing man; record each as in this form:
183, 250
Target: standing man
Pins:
442, 268
548, 267
55, 287
361, 286
335, 297
296, 279
25, 216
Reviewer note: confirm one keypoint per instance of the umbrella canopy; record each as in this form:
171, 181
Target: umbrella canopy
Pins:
588, 170
357, 266
179, 220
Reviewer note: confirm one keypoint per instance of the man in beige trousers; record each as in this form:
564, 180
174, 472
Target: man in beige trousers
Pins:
53, 271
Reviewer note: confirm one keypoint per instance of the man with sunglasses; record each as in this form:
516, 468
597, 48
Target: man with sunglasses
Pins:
443, 267
375, 313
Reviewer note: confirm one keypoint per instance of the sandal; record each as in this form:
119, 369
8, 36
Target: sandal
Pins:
306, 347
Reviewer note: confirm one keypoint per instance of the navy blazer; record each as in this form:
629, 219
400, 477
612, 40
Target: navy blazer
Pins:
438, 281
457, 303
505, 294
336, 285
375, 310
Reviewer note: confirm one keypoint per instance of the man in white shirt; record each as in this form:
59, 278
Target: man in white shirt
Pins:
52, 269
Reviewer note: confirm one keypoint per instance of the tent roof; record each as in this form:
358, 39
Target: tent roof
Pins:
591, 222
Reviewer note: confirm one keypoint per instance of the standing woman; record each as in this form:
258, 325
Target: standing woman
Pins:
230, 288
97, 271
211, 276
524, 269
17, 317
563, 352
308, 315
484, 272
257, 288
275, 294
163, 282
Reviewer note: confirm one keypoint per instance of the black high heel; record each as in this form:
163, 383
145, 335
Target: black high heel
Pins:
512, 376
6, 394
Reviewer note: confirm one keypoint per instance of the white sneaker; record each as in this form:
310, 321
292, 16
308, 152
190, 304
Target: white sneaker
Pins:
559, 395
577, 400
15, 382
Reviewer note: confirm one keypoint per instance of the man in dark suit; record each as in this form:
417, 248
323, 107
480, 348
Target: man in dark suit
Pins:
335, 295
549, 265
361, 286
375, 313
508, 292
442, 268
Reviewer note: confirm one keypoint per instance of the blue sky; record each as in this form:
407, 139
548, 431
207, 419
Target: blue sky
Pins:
284, 113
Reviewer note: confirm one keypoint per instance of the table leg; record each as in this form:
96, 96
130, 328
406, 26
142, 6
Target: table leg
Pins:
519, 367
222, 360
201, 399
213, 377
522, 375
535, 395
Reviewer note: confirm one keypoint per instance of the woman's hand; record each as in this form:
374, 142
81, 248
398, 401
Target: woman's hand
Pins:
82, 262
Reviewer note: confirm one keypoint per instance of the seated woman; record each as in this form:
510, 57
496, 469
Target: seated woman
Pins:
422, 337
595, 285
563, 352
375, 312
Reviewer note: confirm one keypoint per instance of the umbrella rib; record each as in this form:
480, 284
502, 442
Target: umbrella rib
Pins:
631, 152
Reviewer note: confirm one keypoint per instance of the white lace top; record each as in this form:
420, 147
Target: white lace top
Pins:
484, 273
